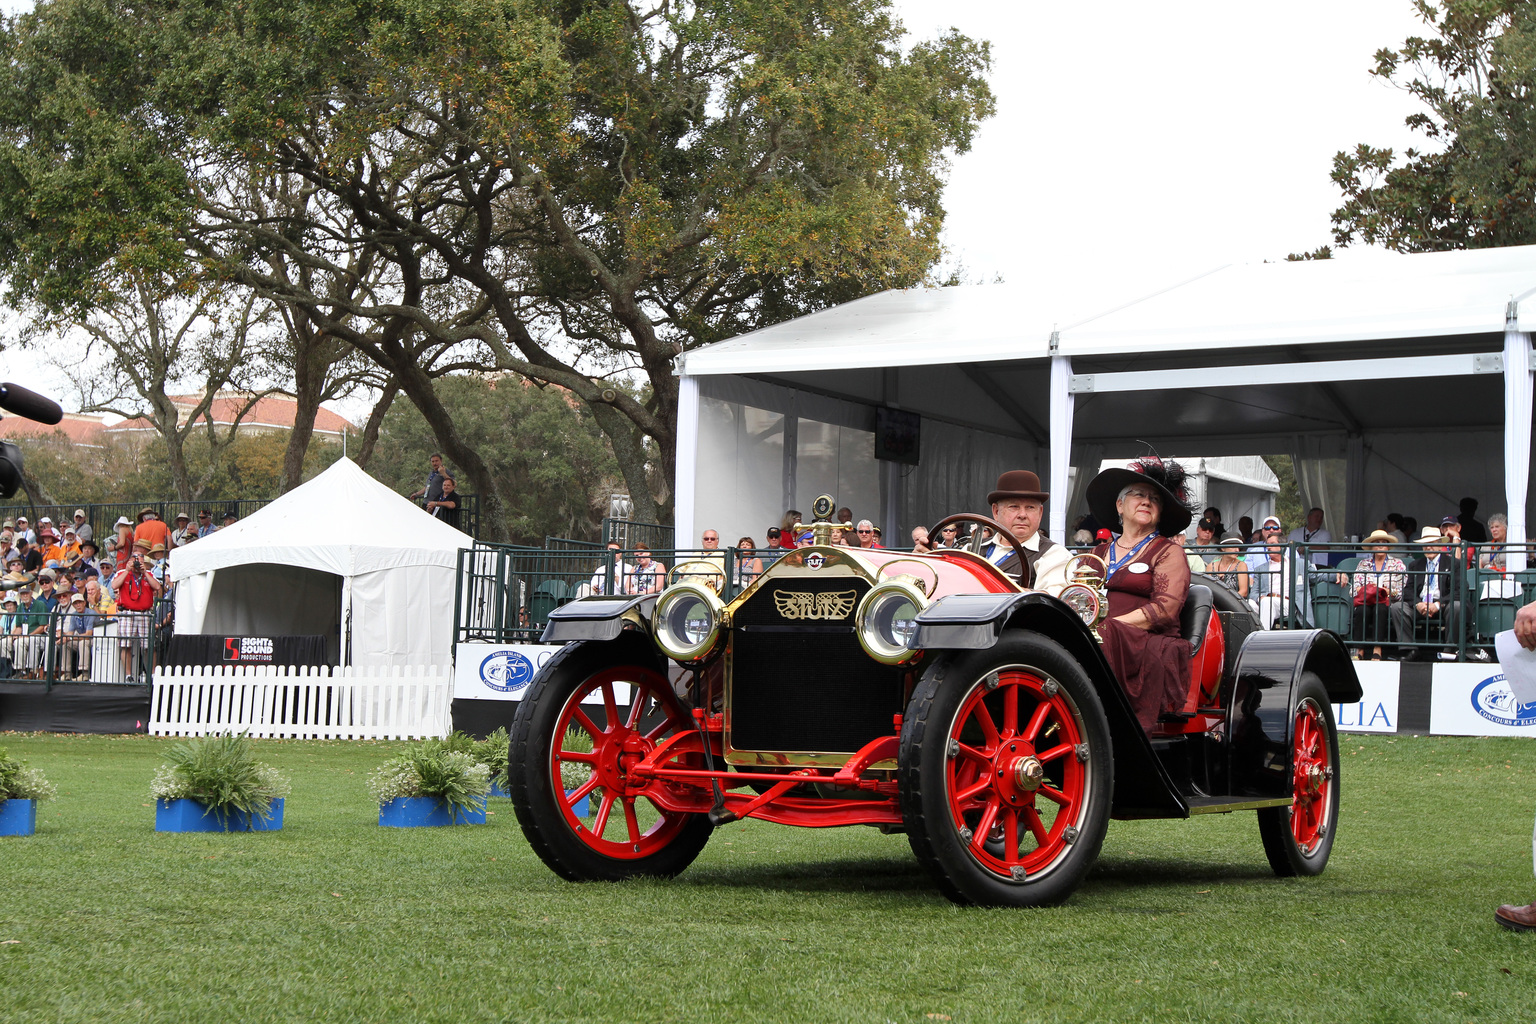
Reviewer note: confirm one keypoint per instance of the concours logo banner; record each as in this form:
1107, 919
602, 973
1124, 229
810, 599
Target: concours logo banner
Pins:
1475, 700
503, 672
1377, 709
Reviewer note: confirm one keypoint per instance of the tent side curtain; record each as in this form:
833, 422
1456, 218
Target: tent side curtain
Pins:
261, 599
403, 616
745, 481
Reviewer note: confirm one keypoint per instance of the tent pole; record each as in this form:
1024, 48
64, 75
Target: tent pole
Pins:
683, 493
1061, 440
1517, 432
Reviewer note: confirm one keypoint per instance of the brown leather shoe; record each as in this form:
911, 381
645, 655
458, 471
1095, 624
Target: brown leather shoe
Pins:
1517, 919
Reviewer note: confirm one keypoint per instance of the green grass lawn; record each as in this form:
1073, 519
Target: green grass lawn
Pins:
334, 918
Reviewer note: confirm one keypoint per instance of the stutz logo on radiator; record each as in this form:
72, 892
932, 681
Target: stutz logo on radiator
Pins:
796, 605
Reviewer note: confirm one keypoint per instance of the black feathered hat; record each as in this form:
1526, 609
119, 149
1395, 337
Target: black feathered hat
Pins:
1167, 477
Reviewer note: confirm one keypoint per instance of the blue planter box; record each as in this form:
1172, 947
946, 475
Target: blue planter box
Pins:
18, 817
581, 808
191, 816
425, 811
496, 790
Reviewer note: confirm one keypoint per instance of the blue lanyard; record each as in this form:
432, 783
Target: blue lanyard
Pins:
1115, 565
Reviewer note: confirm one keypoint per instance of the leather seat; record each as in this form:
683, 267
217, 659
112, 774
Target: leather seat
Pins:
1196, 616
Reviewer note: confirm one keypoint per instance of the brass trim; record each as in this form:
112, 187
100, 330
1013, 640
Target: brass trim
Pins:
1246, 805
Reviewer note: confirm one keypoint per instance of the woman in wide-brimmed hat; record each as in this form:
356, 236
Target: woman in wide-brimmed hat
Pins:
1376, 581
1148, 582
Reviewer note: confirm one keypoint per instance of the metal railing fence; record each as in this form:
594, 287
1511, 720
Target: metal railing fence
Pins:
505, 593
120, 648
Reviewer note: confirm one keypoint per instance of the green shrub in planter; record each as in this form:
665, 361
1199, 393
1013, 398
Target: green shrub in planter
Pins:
492, 752
21, 790
222, 774
433, 769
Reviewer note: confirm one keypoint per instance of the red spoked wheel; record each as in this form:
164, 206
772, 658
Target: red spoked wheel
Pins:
591, 762
1299, 838
1007, 771
566, 749
1015, 783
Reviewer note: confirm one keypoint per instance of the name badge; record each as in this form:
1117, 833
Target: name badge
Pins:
1138, 567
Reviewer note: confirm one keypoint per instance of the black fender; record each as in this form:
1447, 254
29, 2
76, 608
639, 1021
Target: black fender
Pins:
1259, 719
598, 618
1143, 788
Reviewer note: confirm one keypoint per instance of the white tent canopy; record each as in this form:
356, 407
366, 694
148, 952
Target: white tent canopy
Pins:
1398, 383
342, 555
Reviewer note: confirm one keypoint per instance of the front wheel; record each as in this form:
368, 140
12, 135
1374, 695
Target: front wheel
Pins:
1299, 838
1007, 773
573, 738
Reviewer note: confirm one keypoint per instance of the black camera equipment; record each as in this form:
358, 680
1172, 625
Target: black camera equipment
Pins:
28, 405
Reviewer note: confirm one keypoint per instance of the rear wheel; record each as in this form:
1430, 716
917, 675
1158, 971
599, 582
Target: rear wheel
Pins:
573, 740
1006, 773
1299, 838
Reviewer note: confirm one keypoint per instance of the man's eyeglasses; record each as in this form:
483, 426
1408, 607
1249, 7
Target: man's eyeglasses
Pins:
863, 531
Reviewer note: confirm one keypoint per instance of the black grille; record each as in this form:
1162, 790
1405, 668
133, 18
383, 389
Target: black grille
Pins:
802, 685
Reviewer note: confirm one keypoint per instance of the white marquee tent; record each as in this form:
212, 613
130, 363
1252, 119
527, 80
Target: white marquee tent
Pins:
343, 556
1397, 382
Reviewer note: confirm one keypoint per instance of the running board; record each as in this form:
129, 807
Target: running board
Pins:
1225, 805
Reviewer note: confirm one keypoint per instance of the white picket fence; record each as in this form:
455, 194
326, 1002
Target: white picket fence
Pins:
302, 703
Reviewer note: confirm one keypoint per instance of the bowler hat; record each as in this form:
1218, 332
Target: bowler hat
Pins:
1017, 483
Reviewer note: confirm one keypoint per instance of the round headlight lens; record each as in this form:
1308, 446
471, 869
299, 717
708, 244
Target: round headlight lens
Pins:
687, 621
1083, 600
887, 621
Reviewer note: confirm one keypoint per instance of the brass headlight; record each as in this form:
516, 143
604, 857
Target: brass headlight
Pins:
1083, 600
687, 620
887, 620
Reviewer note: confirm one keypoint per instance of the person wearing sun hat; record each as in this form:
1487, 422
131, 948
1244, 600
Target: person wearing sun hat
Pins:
1145, 504
1430, 605
1375, 582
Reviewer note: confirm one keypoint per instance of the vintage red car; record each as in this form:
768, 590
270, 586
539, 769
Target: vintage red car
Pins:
926, 694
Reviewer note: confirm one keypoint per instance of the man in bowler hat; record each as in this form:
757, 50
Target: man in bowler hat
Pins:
1019, 504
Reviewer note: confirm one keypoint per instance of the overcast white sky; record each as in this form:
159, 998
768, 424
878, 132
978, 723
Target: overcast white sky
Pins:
1137, 145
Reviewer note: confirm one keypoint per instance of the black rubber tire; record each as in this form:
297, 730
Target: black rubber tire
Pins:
923, 771
1286, 857
532, 791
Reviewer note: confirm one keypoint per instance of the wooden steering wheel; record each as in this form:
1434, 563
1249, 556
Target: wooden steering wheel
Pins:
1026, 574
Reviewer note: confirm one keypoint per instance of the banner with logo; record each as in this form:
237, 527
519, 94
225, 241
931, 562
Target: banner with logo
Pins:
1475, 700
503, 672
1377, 709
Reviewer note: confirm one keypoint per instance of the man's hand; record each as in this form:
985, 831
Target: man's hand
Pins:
1433, 609
1423, 608
1525, 627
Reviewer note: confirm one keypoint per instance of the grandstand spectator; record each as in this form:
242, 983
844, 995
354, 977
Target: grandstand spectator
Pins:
83, 527
1396, 527
8, 617
1245, 530
613, 576
920, 543
87, 566
712, 553
31, 556
1196, 561
150, 528
75, 629
865, 532
844, 515
446, 506
774, 547
1495, 554
1472, 531
1430, 602
433, 490
24, 529
748, 566
27, 644
205, 524
71, 546
1312, 532
1212, 514
1375, 583
650, 576
53, 550
122, 544
230, 518
184, 533
97, 598
136, 589
948, 537
45, 583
